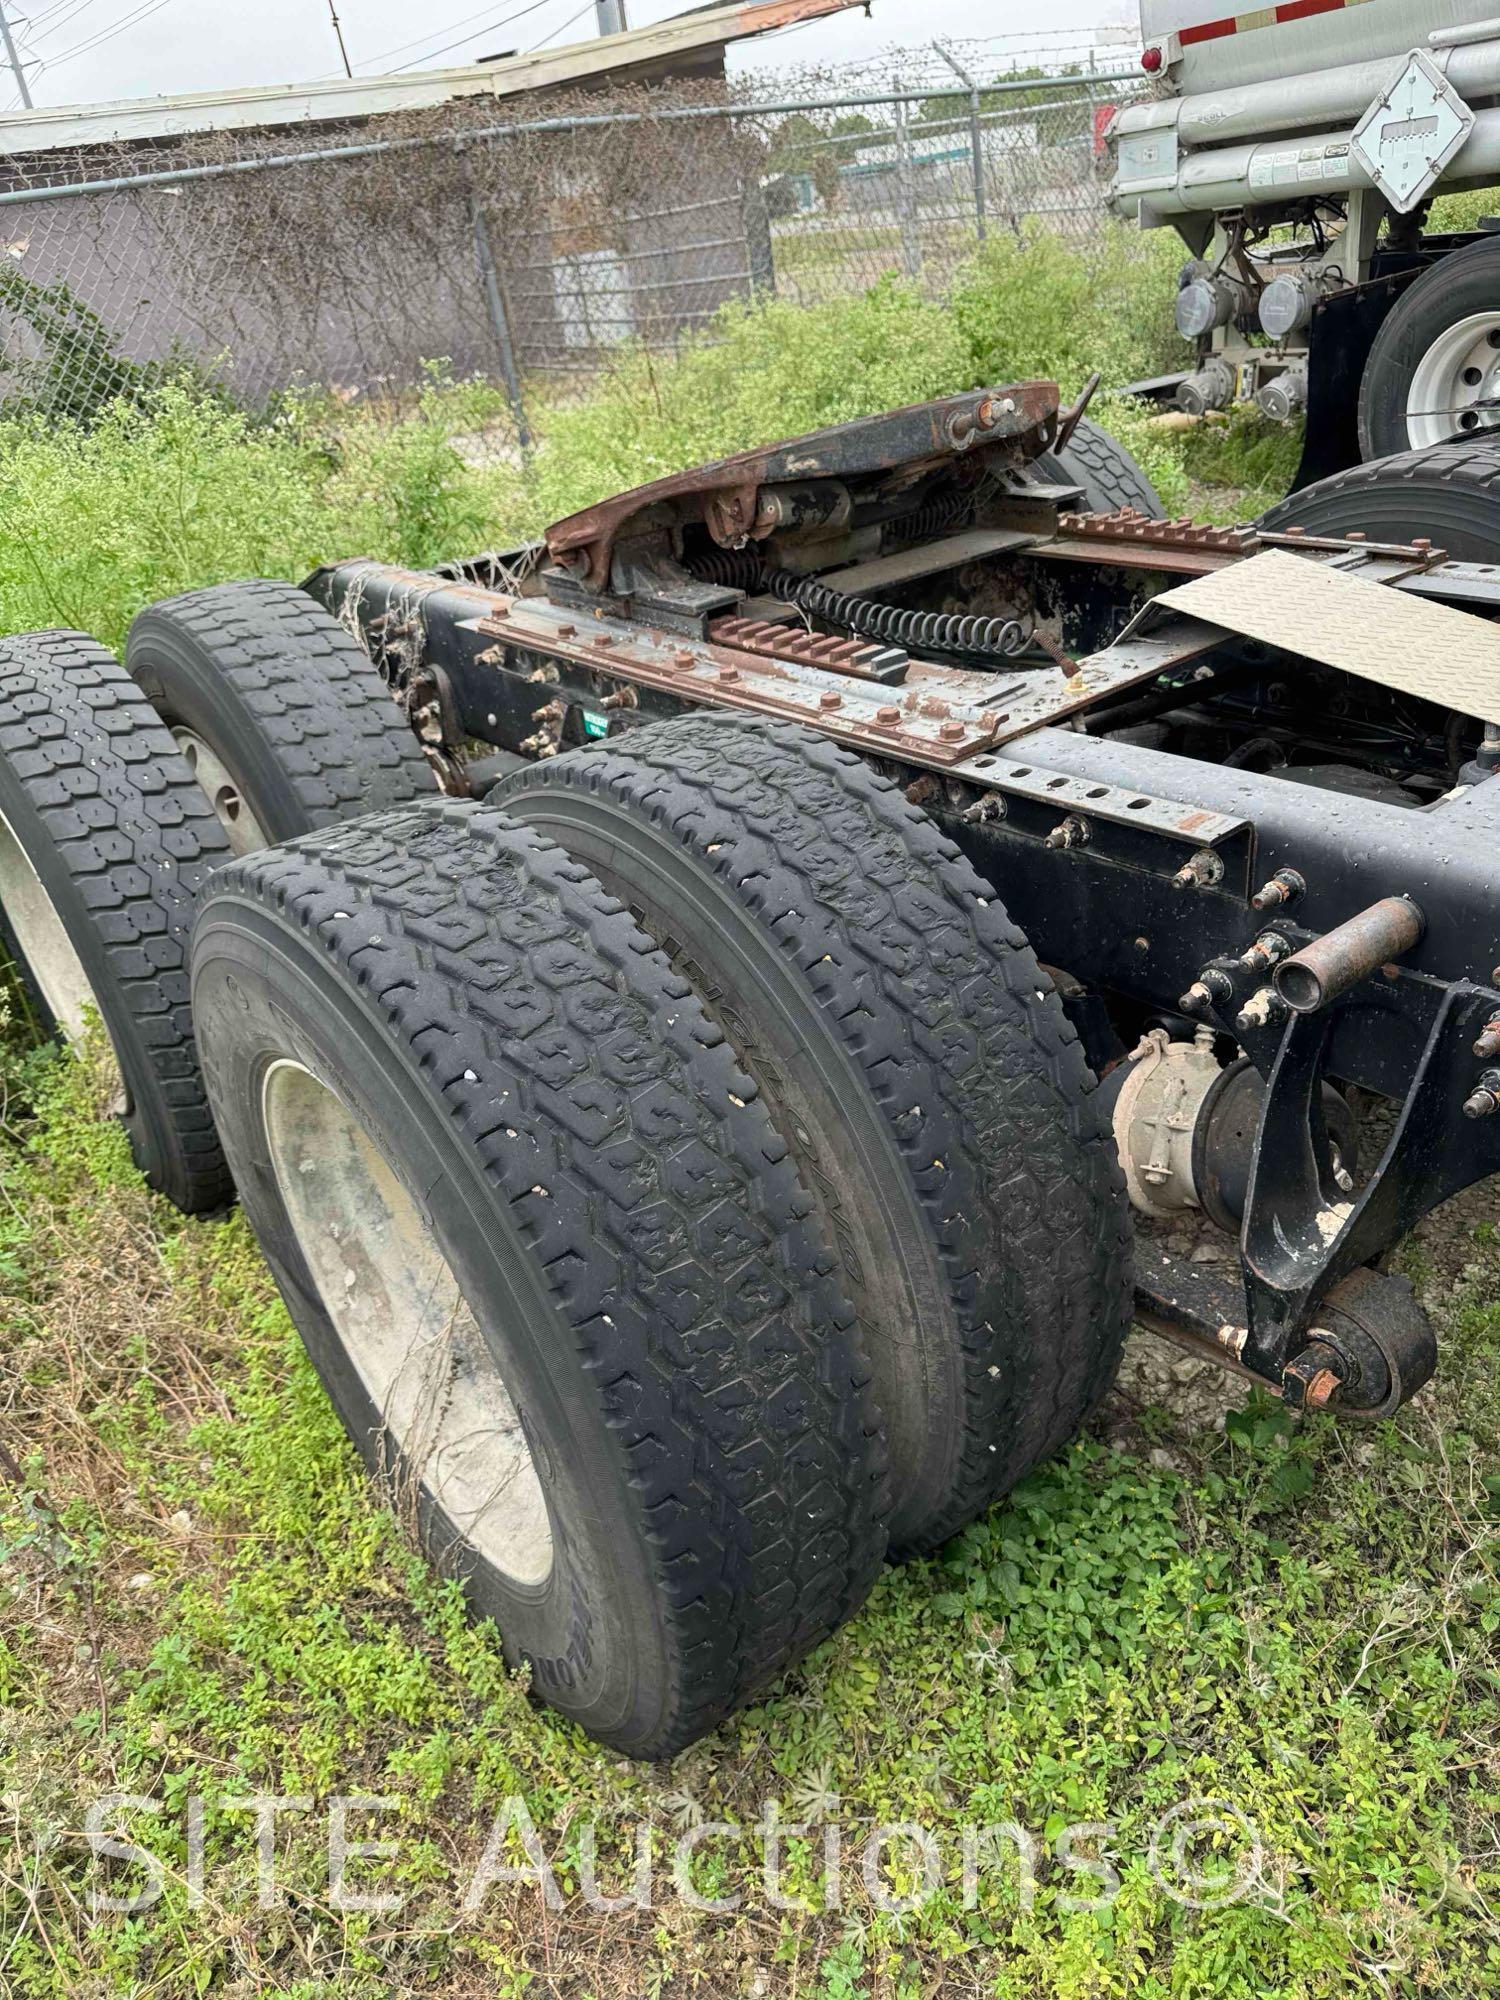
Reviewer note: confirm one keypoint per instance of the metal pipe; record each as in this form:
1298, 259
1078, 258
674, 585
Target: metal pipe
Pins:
494, 299
1314, 98
1342, 958
672, 114
1229, 176
976, 136
906, 200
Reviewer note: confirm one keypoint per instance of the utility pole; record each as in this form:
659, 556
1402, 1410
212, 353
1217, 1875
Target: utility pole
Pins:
14, 60
611, 16
333, 16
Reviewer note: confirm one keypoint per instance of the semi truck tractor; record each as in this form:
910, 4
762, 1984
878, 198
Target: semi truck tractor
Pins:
716, 1017
1300, 151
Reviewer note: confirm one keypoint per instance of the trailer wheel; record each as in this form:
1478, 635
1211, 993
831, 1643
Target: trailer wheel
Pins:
913, 1056
104, 843
1107, 472
284, 721
1434, 369
1451, 494
549, 1256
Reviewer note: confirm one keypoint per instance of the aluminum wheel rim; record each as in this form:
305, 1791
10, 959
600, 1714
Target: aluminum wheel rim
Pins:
221, 788
1459, 371
405, 1326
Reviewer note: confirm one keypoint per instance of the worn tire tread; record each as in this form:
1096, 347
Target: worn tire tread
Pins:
569, 1056
307, 686
1109, 474
939, 1002
137, 839
1448, 492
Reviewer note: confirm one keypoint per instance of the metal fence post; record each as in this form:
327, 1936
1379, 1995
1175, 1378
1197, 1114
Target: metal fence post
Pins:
906, 194
760, 251
494, 299
976, 135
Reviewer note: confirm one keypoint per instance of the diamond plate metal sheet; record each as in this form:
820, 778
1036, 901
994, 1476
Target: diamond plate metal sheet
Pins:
1362, 628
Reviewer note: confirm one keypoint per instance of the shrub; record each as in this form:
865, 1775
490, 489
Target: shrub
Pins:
158, 497
1037, 305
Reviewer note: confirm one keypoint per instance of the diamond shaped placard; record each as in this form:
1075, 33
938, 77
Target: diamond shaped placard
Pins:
1411, 132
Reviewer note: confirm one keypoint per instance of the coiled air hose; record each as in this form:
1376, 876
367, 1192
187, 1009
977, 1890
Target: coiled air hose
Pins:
915, 631
953, 633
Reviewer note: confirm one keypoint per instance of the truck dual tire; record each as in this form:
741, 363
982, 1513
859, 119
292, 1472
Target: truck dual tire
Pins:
550, 1257
1450, 494
105, 841
1436, 355
277, 709
913, 1056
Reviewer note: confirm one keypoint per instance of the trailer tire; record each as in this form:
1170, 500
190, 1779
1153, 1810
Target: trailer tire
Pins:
277, 708
1447, 317
912, 1054
430, 1035
1107, 472
104, 842
1450, 493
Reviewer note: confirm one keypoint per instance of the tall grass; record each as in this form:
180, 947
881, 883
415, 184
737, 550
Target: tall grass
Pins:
180, 490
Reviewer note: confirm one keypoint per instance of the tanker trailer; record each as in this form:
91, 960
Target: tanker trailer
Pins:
1298, 151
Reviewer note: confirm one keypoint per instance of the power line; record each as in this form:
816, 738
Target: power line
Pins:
143, 12
562, 26
484, 13
489, 28
66, 8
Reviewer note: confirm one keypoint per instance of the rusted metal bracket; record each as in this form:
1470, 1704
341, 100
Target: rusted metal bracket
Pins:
921, 438
858, 657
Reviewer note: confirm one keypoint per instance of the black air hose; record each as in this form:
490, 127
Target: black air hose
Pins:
916, 631
890, 624
733, 569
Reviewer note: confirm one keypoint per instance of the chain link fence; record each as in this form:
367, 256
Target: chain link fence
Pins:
529, 251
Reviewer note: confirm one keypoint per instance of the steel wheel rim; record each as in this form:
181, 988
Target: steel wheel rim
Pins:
405, 1326
222, 789
1460, 369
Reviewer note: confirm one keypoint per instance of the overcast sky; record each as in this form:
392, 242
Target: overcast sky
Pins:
94, 50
